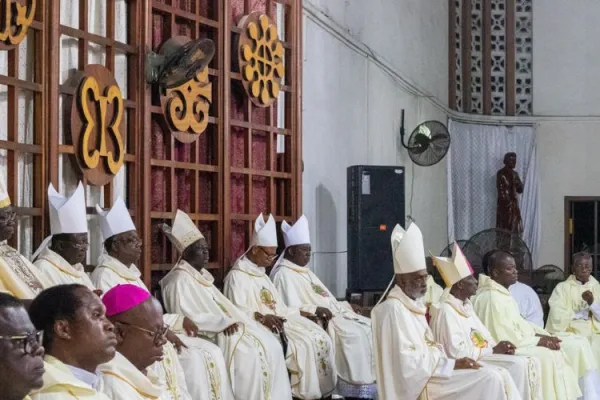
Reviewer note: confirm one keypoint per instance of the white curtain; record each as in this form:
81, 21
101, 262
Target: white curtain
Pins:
476, 154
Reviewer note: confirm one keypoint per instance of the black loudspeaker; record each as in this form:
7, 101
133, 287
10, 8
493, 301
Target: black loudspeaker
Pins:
375, 206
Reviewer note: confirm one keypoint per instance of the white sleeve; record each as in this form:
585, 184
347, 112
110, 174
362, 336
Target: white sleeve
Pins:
444, 368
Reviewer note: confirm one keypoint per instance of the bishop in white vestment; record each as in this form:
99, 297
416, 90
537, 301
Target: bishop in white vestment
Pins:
456, 327
63, 262
135, 373
18, 276
409, 363
350, 333
202, 361
255, 358
310, 355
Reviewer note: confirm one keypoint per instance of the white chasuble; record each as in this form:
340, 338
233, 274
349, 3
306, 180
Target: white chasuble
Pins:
570, 313
411, 365
18, 276
202, 362
310, 357
500, 313
254, 356
456, 327
58, 271
350, 333
121, 380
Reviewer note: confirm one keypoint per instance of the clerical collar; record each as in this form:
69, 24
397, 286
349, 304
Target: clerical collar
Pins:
85, 376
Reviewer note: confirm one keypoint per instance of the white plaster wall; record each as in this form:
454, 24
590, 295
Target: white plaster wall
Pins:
567, 160
351, 114
566, 87
566, 57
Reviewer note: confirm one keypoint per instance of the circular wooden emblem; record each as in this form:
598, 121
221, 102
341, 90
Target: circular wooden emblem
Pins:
97, 125
16, 17
260, 55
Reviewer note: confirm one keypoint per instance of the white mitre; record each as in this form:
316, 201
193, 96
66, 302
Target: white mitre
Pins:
296, 234
408, 249
184, 231
116, 220
4, 197
67, 215
265, 233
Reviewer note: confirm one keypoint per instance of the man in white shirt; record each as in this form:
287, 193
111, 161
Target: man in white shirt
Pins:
310, 353
350, 333
18, 276
62, 262
254, 355
201, 360
78, 338
456, 326
409, 363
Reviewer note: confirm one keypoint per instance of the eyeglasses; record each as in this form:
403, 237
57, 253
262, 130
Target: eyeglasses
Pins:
157, 335
76, 245
269, 256
29, 342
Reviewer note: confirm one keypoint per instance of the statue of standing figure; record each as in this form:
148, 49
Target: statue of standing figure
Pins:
509, 184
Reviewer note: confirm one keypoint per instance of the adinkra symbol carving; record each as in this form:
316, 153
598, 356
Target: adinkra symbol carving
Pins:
261, 56
112, 95
16, 16
96, 125
186, 107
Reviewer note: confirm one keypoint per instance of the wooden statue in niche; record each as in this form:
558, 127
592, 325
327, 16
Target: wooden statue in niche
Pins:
96, 125
16, 16
260, 58
509, 185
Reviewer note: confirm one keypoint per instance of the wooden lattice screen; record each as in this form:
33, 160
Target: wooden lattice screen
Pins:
248, 160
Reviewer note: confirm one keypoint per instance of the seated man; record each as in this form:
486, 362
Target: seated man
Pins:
21, 351
310, 353
499, 312
17, 275
408, 362
62, 263
200, 359
527, 299
456, 327
350, 333
574, 304
141, 344
77, 337
254, 354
